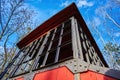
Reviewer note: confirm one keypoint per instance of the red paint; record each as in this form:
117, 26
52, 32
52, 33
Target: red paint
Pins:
90, 75
20, 78
61, 73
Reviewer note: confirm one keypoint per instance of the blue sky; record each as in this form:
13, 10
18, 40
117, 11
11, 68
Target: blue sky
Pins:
93, 12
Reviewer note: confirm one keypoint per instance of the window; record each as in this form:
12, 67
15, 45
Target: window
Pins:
24, 64
53, 47
89, 53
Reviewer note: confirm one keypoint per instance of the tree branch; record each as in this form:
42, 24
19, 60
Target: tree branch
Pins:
12, 12
110, 18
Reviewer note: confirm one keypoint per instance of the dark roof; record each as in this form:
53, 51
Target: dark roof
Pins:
54, 21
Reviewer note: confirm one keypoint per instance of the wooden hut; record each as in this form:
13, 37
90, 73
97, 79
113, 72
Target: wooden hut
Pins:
62, 48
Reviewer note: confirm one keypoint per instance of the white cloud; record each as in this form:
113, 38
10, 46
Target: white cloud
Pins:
1, 49
117, 34
118, 0
64, 4
82, 3
96, 21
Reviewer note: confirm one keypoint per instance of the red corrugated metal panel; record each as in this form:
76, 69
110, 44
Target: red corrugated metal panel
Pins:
61, 73
90, 75
21, 78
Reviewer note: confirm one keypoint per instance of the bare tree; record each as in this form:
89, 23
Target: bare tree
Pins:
110, 24
107, 52
14, 18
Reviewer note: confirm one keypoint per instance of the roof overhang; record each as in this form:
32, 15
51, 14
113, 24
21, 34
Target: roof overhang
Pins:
50, 24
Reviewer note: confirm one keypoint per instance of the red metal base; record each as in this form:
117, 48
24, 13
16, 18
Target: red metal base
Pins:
61, 73
64, 73
21, 78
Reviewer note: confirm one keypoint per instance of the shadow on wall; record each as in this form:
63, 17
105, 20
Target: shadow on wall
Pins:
112, 75
109, 75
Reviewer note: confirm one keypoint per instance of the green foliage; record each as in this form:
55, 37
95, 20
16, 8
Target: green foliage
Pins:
112, 49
